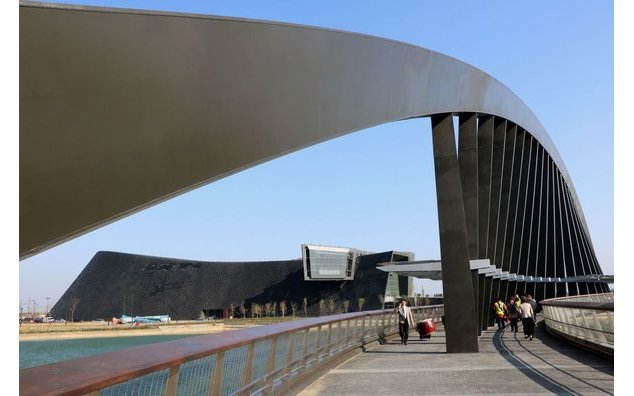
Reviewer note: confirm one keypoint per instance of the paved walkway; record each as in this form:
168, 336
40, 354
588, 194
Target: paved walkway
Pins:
506, 364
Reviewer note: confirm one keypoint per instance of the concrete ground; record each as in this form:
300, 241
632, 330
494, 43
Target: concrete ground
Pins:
506, 364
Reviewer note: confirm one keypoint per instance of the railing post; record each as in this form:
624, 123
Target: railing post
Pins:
270, 366
302, 364
248, 365
316, 354
339, 337
383, 322
328, 340
347, 336
289, 356
363, 330
172, 381
216, 377
597, 324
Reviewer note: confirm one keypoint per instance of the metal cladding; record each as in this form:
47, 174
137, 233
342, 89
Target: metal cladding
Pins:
123, 109
115, 283
524, 222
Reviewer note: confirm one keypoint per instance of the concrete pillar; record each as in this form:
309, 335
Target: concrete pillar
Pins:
461, 324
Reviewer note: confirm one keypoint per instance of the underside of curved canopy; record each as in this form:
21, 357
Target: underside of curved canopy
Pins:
123, 109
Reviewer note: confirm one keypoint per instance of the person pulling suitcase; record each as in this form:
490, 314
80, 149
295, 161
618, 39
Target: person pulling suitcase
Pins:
405, 319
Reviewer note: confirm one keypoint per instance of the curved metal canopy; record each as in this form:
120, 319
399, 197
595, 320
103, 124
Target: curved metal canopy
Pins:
122, 109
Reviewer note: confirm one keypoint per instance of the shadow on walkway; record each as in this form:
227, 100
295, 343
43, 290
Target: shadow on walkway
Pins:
511, 349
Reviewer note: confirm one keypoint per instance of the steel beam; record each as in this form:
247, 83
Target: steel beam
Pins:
123, 109
468, 162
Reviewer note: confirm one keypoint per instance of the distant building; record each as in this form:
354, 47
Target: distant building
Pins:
326, 280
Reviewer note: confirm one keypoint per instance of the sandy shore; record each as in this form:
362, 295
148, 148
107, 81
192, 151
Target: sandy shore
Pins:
61, 334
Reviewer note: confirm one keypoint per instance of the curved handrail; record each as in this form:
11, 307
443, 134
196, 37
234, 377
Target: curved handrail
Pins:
586, 323
603, 306
88, 374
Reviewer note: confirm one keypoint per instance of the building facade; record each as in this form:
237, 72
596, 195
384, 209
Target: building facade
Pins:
114, 284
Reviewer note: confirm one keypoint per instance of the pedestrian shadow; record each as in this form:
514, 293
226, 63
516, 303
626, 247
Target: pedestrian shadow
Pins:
536, 375
573, 352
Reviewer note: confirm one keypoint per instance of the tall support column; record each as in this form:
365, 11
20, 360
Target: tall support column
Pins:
482, 320
476, 298
551, 229
495, 186
571, 267
513, 228
461, 331
487, 303
468, 163
485, 155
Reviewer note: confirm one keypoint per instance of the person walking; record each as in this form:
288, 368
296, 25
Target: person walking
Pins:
533, 303
500, 312
518, 302
535, 306
514, 314
405, 320
528, 321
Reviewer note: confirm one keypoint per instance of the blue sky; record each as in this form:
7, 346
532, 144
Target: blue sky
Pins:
374, 189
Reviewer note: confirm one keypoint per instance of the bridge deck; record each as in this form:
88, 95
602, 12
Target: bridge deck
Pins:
506, 364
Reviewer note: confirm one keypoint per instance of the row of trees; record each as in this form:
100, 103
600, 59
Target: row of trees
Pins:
286, 308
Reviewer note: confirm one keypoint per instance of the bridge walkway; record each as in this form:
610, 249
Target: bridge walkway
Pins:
506, 364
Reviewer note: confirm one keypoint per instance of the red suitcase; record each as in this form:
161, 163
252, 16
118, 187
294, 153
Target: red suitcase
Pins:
425, 328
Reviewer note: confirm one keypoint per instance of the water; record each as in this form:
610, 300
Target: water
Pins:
194, 376
36, 353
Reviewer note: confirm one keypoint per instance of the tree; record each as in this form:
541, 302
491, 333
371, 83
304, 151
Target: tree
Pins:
322, 307
72, 306
331, 305
256, 310
283, 308
294, 308
305, 306
361, 303
243, 310
267, 308
346, 305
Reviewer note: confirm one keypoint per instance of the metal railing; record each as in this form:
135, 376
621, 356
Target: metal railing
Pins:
586, 320
257, 360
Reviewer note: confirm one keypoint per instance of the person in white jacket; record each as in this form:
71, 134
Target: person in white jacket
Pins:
528, 322
405, 320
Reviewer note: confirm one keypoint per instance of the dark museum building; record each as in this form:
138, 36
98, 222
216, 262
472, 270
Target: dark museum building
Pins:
324, 281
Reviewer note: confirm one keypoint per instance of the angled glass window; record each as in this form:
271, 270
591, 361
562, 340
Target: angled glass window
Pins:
329, 263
